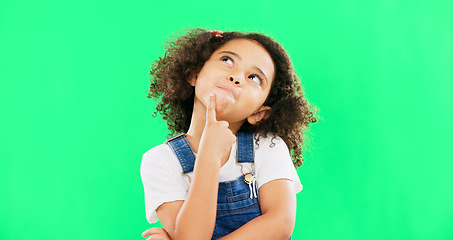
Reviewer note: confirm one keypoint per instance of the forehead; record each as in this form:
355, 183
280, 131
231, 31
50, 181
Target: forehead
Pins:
251, 52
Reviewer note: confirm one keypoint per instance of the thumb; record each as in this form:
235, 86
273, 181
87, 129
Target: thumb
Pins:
210, 113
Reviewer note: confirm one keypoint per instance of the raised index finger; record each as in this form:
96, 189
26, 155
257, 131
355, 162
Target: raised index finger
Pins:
210, 113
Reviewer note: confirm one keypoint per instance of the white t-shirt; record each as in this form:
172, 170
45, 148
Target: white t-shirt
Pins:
163, 181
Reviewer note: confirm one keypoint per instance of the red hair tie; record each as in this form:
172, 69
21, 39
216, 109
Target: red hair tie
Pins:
217, 33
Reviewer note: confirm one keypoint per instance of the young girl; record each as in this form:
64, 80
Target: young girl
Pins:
240, 111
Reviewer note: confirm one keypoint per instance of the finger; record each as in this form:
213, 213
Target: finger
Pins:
158, 237
224, 124
152, 231
210, 113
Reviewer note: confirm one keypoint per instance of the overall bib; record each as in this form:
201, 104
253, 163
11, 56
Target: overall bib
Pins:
237, 200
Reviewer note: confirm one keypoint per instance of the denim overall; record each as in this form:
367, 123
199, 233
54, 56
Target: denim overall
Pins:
237, 201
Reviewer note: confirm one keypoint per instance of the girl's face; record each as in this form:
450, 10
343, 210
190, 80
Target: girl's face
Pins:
240, 73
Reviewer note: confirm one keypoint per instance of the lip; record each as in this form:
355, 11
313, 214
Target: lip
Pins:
228, 89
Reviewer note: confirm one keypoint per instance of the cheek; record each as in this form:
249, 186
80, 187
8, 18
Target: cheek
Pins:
257, 95
253, 100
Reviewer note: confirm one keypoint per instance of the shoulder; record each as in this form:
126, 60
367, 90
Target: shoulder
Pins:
158, 158
273, 161
156, 152
270, 143
270, 147
162, 180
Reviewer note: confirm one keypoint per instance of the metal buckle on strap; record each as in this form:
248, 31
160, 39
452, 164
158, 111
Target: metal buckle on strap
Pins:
174, 137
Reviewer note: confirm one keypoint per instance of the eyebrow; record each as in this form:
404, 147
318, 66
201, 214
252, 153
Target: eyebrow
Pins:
239, 57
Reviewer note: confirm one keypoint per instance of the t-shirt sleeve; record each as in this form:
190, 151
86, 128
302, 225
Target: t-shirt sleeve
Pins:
162, 181
275, 163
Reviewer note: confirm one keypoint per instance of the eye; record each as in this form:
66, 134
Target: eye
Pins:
227, 60
256, 79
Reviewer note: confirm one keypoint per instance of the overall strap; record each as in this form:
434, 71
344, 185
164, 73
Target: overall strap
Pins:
246, 154
183, 151
245, 147
181, 147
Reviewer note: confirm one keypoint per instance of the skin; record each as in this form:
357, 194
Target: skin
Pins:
233, 79
228, 92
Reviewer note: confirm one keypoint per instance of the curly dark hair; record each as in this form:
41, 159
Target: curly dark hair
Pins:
291, 113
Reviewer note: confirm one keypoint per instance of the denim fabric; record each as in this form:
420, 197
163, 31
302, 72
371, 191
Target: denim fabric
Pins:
234, 205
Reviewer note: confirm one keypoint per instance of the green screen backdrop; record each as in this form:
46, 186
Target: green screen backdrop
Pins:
75, 119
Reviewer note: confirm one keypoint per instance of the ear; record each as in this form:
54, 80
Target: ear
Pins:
262, 113
192, 80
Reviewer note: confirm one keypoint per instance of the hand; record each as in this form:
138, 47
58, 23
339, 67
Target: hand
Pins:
156, 233
217, 138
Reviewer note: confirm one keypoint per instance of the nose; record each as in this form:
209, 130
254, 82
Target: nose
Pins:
235, 79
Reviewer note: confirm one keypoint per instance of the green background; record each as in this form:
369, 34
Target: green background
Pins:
75, 119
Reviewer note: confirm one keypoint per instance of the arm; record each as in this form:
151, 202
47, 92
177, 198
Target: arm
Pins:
195, 217
278, 206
